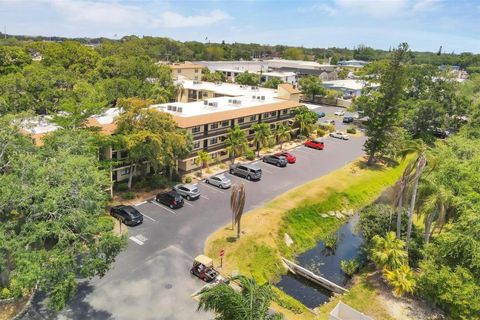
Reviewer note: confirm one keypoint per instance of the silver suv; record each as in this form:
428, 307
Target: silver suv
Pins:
248, 171
279, 161
188, 191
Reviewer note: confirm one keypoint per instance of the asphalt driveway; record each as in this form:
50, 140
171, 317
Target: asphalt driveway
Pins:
151, 279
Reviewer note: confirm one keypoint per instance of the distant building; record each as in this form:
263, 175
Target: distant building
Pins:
355, 64
349, 87
344, 312
186, 70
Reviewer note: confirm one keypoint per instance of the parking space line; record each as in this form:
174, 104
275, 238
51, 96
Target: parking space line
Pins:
206, 185
163, 207
188, 204
140, 203
205, 197
136, 241
148, 217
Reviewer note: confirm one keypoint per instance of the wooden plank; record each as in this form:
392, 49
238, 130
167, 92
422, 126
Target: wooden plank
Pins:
307, 274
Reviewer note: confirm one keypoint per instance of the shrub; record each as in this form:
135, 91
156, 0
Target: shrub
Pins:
157, 181
198, 174
122, 186
128, 195
349, 267
321, 132
222, 166
188, 179
141, 184
5, 293
352, 130
250, 154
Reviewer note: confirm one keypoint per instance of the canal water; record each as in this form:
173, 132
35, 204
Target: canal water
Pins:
326, 263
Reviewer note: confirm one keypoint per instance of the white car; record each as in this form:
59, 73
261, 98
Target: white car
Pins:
340, 135
220, 181
340, 113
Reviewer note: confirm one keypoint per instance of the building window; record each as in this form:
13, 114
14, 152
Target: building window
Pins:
196, 129
253, 118
196, 145
272, 126
285, 111
124, 172
213, 141
213, 155
204, 93
196, 70
214, 125
241, 120
266, 115
251, 131
114, 155
123, 154
273, 113
225, 123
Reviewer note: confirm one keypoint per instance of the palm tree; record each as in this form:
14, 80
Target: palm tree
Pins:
282, 134
252, 302
435, 203
401, 279
388, 252
237, 204
237, 143
305, 120
204, 158
262, 135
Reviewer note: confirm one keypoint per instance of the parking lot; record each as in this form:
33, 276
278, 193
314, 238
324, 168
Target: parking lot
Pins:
151, 279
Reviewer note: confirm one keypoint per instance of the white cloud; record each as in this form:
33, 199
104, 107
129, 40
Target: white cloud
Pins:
425, 5
320, 8
376, 8
103, 13
171, 19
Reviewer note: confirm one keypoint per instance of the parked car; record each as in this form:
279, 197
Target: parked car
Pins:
219, 180
339, 113
188, 191
247, 171
339, 135
315, 144
327, 123
170, 198
127, 214
279, 161
347, 119
320, 114
290, 157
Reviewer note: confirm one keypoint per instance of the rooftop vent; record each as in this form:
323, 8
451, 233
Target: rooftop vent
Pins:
179, 109
174, 108
197, 82
213, 104
205, 102
169, 107
263, 98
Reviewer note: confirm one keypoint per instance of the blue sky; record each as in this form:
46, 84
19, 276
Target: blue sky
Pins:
424, 24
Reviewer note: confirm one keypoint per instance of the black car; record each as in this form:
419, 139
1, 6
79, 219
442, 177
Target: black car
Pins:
127, 214
171, 198
347, 119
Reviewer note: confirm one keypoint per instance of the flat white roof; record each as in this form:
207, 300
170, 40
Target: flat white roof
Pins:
229, 89
220, 104
310, 64
279, 74
38, 125
108, 116
347, 84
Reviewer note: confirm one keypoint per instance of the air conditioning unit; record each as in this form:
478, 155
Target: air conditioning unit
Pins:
174, 108
213, 104
169, 107
263, 97
179, 109
254, 97
231, 101
205, 102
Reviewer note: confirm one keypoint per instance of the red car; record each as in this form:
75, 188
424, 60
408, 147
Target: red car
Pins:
315, 144
290, 157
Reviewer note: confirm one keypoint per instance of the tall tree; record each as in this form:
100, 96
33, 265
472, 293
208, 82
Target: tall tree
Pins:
401, 279
381, 104
312, 86
247, 78
261, 135
388, 252
150, 135
272, 83
236, 142
204, 158
252, 302
305, 120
